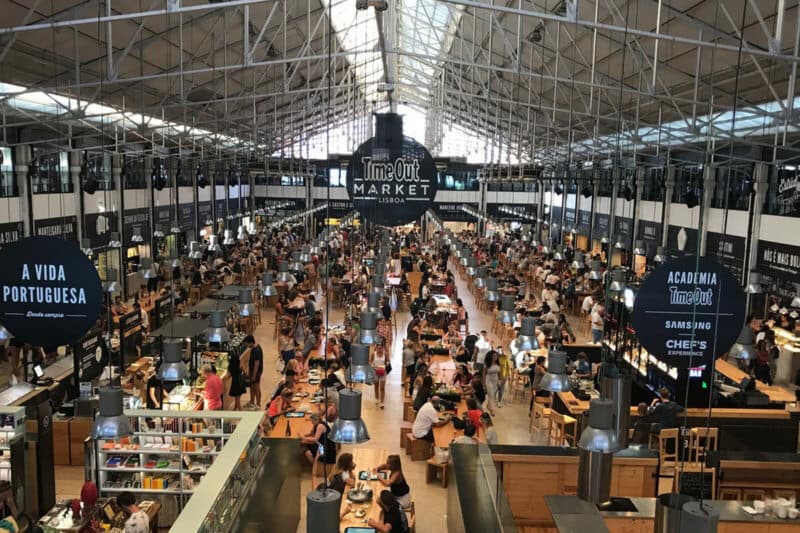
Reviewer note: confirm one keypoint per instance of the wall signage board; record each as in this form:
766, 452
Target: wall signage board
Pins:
204, 213
728, 250
186, 216
680, 239
220, 208
47, 284
64, 227
525, 213
788, 198
584, 223
650, 233
556, 215
11, 232
601, 223
453, 213
778, 260
391, 179
165, 215
97, 227
569, 217
89, 355
336, 208
689, 311
623, 230
136, 221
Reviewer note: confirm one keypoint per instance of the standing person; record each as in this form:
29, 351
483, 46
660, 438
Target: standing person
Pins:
136, 520
539, 370
214, 389
461, 316
491, 376
238, 381
286, 345
597, 323
483, 346
255, 369
489, 432
506, 369
377, 358
409, 359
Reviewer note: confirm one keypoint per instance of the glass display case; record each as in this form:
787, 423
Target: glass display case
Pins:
182, 398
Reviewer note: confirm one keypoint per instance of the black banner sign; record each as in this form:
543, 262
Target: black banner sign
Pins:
97, 227
165, 215
525, 213
11, 232
336, 208
391, 179
623, 230
569, 218
728, 251
453, 213
204, 213
186, 216
49, 291
677, 235
89, 356
601, 223
136, 222
788, 197
584, 223
220, 208
556, 215
778, 260
689, 311
64, 227
650, 233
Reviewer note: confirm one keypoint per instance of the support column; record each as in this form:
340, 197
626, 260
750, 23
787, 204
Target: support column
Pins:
709, 182
669, 188
309, 193
593, 208
760, 186
637, 207
22, 156
148, 169
612, 214
539, 212
75, 161
563, 221
482, 190
119, 208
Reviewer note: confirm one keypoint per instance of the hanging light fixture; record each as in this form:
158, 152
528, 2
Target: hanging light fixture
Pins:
158, 234
305, 254
360, 371
368, 333
506, 314
114, 240
795, 302
377, 285
172, 366
559, 254
661, 255
194, 250
604, 239
577, 260
479, 281
743, 347
599, 436
217, 329
110, 422
241, 234
349, 428
754, 284
173, 259
86, 248
492, 294
267, 285
175, 229
472, 265
464, 257
5, 335
246, 305
618, 279
594, 273
619, 245
147, 269
639, 248
111, 284
213, 244
316, 248
629, 298
136, 237
227, 239
556, 378
527, 339
783, 311
774, 308
296, 265
284, 275
373, 304
545, 249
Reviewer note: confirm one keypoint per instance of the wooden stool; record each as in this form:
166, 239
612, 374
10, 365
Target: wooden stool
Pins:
563, 429
668, 449
730, 493
405, 429
701, 441
418, 449
408, 411
434, 469
540, 417
194, 295
753, 494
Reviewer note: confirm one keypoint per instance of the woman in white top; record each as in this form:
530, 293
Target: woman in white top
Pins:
378, 361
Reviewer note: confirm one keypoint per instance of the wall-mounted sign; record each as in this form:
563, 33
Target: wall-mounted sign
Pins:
11, 232
64, 227
186, 216
525, 213
220, 208
569, 217
89, 355
97, 227
204, 212
788, 198
336, 208
555, 212
601, 222
728, 250
623, 229
165, 216
391, 179
689, 311
49, 291
650, 233
778, 260
584, 223
453, 213
136, 222
680, 239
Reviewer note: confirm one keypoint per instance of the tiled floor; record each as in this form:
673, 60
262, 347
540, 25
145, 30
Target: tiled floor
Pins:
430, 500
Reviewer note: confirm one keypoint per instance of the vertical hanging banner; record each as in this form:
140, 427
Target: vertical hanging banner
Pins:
49, 291
391, 179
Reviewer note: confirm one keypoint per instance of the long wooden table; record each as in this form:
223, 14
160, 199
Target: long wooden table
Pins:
298, 427
365, 459
775, 393
443, 368
444, 435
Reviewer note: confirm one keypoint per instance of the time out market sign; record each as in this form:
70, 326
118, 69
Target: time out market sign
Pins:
49, 291
689, 310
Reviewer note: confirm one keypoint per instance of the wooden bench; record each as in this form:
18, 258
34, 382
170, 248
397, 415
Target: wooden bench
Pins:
408, 411
418, 449
434, 470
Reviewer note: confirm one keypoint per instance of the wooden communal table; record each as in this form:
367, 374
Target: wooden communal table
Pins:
298, 427
442, 368
365, 459
775, 393
444, 435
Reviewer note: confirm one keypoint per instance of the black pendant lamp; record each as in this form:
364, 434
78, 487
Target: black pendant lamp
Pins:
349, 428
110, 422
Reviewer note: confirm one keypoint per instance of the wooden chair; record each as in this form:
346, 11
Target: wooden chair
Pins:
412, 518
698, 468
563, 429
540, 416
750, 494
701, 441
668, 450
519, 384
730, 493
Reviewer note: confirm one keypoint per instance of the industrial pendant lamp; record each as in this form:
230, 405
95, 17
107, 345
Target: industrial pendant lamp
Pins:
296, 265
545, 249
137, 236
368, 333
604, 239
618, 278
283, 272
305, 254
173, 259
172, 366
599, 436
373, 304
527, 340
479, 281
86, 248
743, 347
114, 240
246, 305
241, 234
111, 284
227, 239
194, 250
377, 286
594, 273
360, 371
349, 428
795, 302
661, 255
506, 314
492, 295
556, 379
217, 330
267, 285
146, 268
559, 254
577, 260
316, 248
213, 244
472, 265
464, 257
596, 446
175, 228
639, 248
5, 335
754, 285
110, 422
158, 234
619, 245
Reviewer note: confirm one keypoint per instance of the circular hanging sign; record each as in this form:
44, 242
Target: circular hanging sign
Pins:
391, 189
689, 309
50, 292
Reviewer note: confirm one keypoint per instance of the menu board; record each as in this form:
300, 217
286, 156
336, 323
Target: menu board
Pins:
65, 227
453, 213
677, 235
601, 223
728, 250
584, 223
97, 227
516, 212
90, 356
569, 217
11, 232
165, 214
778, 260
204, 213
623, 230
136, 222
186, 217
220, 208
650, 233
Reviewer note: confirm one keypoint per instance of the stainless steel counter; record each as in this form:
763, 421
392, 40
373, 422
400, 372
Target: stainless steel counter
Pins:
729, 511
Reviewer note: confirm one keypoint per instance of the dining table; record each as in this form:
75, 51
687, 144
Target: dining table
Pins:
292, 426
365, 459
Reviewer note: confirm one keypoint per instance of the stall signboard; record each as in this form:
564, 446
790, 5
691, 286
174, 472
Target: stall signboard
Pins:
186, 217
89, 355
689, 311
555, 215
584, 223
336, 208
525, 213
48, 287
680, 239
220, 208
788, 197
391, 179
64, 227
650, 233
136, 222
623, 230
569, 218
778, 260
11, 232
165, 215
97, 227
204, 213
453, 213
729, 250
601, 223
